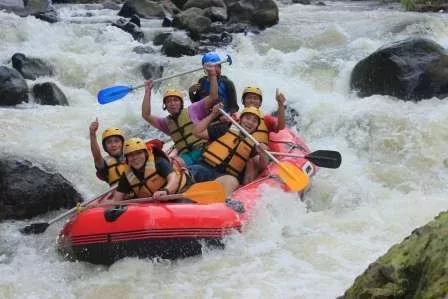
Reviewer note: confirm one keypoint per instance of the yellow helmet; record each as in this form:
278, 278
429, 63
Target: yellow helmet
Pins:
252, 110
134, 144
111, 132
173, 92
252, 89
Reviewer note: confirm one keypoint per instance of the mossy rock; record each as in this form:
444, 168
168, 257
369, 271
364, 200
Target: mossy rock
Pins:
415, 268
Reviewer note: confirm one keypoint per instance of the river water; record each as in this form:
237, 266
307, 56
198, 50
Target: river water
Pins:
393, 177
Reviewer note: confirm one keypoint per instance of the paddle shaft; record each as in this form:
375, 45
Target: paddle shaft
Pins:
181, 74
288, 155
249, 135
83, 205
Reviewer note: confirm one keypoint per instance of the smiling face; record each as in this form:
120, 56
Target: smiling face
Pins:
249, 122
114, 146
136, 159
252, 100
173, 104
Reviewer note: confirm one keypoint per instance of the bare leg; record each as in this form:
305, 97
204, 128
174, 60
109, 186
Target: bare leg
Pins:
229, 182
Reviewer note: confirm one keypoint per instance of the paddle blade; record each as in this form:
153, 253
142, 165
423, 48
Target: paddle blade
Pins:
35, 228
113, 93
324, 158
292, 176
206, 192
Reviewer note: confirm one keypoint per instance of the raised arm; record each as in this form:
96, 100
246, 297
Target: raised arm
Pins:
281, 110
212, 98
200, 129
94, 146
146, 106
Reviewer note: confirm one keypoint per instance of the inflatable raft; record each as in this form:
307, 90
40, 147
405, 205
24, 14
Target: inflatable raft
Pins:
102, 235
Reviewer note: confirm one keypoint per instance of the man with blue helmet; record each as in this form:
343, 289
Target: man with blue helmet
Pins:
226, 88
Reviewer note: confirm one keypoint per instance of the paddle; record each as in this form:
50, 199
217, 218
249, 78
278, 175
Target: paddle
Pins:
321, 158
40, 227
291, 175
201, 193
114, 93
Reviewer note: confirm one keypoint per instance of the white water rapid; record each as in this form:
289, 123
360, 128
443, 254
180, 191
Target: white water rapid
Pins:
393, 177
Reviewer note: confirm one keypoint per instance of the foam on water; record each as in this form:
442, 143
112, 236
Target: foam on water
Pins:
393, 177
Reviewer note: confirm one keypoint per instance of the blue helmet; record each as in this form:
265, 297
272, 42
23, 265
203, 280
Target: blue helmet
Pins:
211, 57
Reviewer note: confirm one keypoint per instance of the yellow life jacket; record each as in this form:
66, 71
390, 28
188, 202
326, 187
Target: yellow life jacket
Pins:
152, 181
230, 151
115, 169
261, 134
181, 131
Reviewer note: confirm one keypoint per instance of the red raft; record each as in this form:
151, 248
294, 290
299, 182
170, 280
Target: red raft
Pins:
102, 235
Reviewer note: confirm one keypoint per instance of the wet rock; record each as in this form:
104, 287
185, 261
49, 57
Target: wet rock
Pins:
203, 4
31, 68
142, 8
192, 20
13, 88
179, 44
262, 13
415, 268
412, 69
28, 190
160, 38
151, 71
132, 26
216, 14
49, 93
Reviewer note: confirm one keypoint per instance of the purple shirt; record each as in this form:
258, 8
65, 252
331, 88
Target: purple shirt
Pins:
197, 111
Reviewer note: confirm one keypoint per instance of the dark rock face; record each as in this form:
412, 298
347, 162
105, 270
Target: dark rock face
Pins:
13, 88
415, 268
31, 68
178, 44
151, 71
412, 69
27, 190
132, 26
49, 93
142, 8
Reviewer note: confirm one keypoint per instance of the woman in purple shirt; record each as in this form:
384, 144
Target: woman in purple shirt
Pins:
180, 121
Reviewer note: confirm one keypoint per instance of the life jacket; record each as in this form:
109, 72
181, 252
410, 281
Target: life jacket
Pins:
181, 132
115, 169
229, 152
152, 181
261, 134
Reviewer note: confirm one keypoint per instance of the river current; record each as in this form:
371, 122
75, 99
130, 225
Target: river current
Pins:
393, 178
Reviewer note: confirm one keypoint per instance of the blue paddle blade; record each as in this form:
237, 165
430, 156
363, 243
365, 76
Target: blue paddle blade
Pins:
113, 93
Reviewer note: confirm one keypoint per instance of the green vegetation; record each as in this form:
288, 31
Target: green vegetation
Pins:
415, 268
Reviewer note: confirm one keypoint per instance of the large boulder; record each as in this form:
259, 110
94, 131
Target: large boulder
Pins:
412, 69
142, 8
28, 190
193, 20
131, 26
31, 68
261, 13
179, 44
13, 88
49, 93
415, 268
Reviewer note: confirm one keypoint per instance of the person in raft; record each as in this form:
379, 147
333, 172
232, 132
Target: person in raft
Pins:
226, 88
229, 156
253, 97
149, 174
110, 167
180, 121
